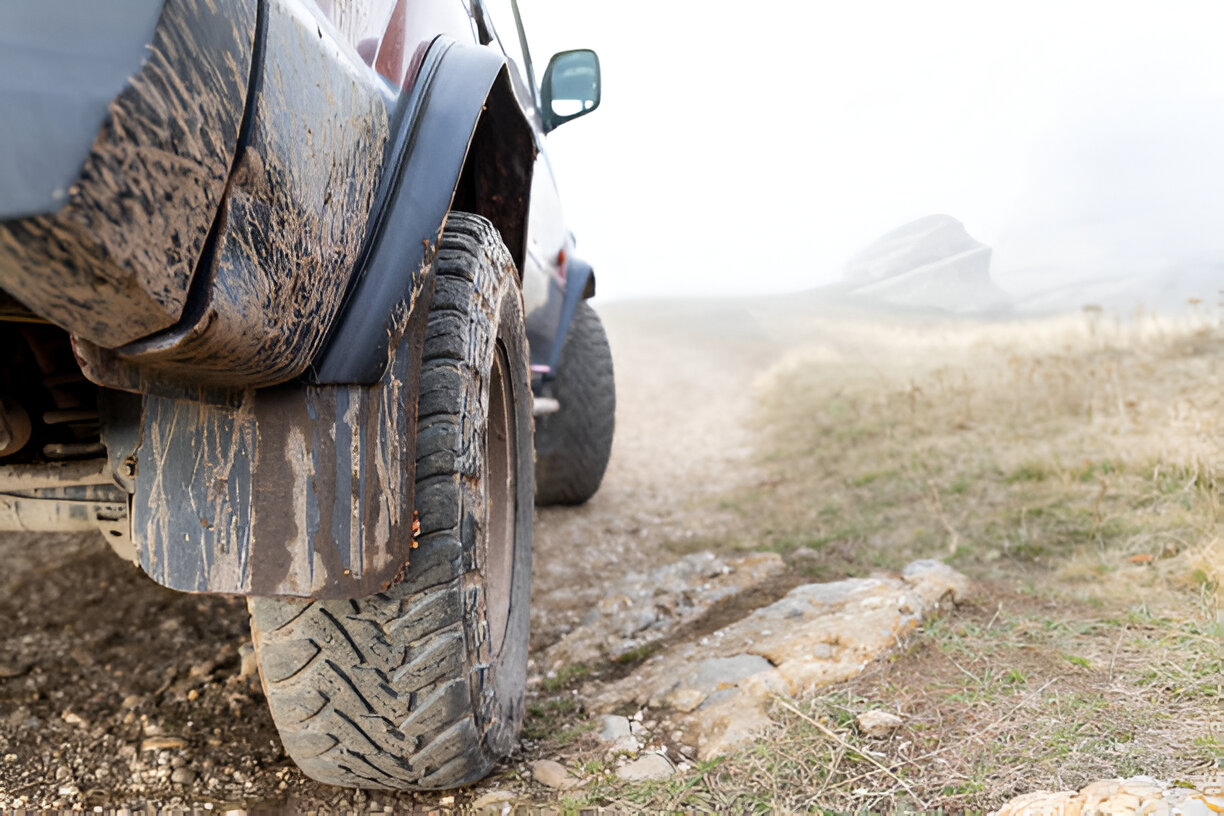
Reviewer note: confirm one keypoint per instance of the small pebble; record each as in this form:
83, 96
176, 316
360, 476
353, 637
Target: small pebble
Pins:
10, 670
876, 723
162, 744
614, 728
492, 799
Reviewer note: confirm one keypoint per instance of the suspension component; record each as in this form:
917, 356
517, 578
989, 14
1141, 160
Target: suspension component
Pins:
15, 429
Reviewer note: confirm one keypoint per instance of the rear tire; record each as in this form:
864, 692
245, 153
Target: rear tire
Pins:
574, 444
422, 686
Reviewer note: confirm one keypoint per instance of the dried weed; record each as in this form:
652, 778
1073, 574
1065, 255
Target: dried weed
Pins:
1072, 467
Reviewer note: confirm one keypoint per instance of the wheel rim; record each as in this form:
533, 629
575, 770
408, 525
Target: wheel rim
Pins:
498, 562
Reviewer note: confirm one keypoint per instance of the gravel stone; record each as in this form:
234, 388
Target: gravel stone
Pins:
10, 670
552, 774
876, 723
614, 728
493, 800
162, 744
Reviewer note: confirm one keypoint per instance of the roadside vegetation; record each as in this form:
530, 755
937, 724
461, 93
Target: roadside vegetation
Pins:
1072, 468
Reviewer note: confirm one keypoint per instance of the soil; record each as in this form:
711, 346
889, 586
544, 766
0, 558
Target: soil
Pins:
116, 692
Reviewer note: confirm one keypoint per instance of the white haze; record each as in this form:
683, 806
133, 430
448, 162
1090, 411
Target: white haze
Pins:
756, 150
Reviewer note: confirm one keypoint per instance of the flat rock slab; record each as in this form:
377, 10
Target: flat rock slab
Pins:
1137, 795
643, 608
719, 688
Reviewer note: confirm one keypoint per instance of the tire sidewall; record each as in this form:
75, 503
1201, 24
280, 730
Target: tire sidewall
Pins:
502, 708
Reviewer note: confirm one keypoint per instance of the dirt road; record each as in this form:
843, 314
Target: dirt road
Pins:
116, 692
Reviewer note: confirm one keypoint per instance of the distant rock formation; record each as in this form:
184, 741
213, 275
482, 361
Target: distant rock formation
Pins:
929, 263
1125, 290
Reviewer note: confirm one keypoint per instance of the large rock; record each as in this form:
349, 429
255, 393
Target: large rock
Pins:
929, 263
1137, 795
641, 609
918, 243
718, 690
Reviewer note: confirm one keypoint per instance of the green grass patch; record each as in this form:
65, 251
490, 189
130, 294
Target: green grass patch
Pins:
565, 677
637, 655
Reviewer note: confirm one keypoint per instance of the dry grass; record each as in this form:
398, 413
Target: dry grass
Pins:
1072, 467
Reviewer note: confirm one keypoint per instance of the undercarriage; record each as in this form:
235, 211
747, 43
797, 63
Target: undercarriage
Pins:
54, 473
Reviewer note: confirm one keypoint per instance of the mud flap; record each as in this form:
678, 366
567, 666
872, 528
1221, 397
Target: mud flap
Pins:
301, 490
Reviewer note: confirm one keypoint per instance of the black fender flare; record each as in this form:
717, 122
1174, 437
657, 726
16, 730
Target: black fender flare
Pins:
432, 129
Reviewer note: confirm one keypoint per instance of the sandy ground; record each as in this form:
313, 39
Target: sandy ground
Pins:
684, 388
115, 691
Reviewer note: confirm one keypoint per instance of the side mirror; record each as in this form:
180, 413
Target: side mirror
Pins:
570, 88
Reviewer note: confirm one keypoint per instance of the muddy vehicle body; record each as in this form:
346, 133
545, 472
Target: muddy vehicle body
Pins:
282, 284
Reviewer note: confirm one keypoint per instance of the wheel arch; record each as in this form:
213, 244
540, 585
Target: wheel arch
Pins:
460, 141
497, 172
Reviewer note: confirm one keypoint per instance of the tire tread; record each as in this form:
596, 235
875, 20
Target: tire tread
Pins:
376, 692
573, 446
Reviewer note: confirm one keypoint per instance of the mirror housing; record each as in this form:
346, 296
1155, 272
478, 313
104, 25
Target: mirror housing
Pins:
570, 88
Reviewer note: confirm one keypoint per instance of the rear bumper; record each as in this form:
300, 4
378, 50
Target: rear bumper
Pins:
61, 63
113, 263
292, 222
213, 231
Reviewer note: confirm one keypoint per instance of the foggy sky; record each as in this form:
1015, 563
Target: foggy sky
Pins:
757, 151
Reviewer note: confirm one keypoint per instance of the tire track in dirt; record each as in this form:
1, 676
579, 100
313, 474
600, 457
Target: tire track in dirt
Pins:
684, 372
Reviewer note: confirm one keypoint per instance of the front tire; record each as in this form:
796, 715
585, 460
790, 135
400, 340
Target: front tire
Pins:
422, 686
574, 444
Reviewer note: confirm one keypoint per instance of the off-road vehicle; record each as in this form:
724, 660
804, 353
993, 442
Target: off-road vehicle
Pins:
282, 284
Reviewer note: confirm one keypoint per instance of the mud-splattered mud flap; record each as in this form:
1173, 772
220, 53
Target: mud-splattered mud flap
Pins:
301, 490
